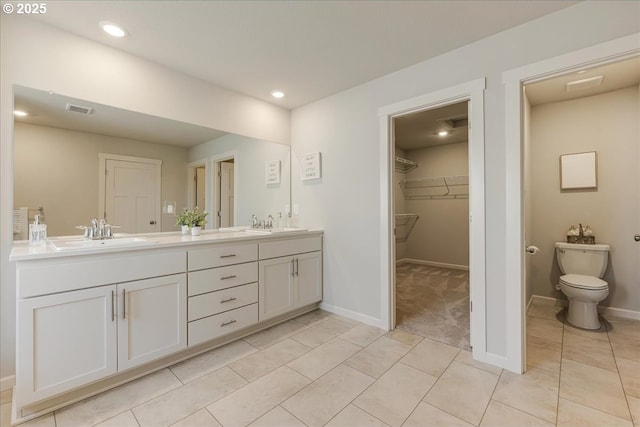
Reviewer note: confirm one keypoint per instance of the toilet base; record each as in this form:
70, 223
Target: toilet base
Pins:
583, 314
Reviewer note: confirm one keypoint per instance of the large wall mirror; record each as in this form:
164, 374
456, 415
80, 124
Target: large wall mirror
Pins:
75, 160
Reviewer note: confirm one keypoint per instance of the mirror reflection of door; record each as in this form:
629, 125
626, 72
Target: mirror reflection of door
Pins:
130, 194
200, 187
226, 194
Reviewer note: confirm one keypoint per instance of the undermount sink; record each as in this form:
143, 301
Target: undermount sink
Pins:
275, 230
63, 245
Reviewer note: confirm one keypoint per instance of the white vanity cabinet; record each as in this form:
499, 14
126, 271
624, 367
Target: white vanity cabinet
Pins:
289, 282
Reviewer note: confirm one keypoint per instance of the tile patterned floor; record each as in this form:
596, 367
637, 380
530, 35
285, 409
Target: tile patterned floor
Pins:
324, 370
433, 302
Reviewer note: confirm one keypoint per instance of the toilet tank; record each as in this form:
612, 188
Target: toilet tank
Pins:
589, 260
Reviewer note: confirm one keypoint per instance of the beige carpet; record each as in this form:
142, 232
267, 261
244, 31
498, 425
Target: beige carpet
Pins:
434, 303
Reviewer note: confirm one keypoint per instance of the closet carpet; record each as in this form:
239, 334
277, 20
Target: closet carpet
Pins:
433, 302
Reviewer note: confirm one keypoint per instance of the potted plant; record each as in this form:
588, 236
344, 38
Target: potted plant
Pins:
184, 221
197, 220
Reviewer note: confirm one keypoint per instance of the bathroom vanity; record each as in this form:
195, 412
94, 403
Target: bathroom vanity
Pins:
91, 316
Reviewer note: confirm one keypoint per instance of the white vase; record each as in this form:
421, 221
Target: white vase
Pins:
195, 231
185, 229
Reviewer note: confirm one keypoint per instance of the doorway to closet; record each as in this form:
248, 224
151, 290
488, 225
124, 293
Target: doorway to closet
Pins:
431, 204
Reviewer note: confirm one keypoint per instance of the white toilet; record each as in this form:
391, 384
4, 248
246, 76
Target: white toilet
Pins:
582, 267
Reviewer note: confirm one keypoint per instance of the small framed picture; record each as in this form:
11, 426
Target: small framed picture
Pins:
311, 166
578, 171
272, 172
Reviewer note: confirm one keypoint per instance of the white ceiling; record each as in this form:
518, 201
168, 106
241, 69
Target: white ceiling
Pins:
420, 130
308, 49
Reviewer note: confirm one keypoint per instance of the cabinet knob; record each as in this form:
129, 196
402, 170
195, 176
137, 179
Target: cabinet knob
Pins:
152, 222
636, 237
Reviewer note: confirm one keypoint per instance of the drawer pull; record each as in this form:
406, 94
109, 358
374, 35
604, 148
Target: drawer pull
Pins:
228, 256
228, 300
228, 323
233, 276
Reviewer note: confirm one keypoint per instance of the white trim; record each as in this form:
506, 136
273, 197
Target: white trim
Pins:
473, 92
602, 309
214, 161
353, 315
7, 383
191, 174
432, 264
600, 54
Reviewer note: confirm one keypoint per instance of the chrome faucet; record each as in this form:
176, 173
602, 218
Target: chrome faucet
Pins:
97, 230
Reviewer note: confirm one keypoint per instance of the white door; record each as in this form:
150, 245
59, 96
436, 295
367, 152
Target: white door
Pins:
275, 287
59, 352
130, 196
226, 194
152, 320
308, 271
201, 186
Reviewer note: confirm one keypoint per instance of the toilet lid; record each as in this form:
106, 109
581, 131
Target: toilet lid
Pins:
583, 282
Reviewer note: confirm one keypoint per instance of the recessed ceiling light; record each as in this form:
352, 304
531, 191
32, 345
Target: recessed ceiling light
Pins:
443, 133
112, 29
277, 94
19, 113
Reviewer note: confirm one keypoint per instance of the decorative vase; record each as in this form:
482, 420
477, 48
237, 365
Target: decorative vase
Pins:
185, 229
195, 231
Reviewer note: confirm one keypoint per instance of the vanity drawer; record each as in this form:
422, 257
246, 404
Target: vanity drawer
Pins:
214, 279
289, 247
217, 302
221, 324
217, 256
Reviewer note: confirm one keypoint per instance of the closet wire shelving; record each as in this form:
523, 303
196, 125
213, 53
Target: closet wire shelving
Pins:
404, 225
405, 165
440, 187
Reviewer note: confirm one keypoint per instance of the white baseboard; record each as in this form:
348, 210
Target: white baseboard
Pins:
6, 383
611, 311
432, 263
363, 318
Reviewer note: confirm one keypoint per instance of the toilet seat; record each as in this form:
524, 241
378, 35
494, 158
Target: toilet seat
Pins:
583, 282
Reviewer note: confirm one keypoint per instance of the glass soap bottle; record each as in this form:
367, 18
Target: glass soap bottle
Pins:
37, 232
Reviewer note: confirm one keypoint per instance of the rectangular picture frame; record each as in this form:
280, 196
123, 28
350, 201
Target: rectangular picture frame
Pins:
578, 171
311, 166
272, 172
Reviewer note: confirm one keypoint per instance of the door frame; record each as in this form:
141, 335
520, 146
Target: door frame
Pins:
473, 92
215, 178
600, 54
102, 170
191, 175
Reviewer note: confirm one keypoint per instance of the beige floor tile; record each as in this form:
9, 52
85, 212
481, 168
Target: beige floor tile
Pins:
463, 391
395, 395
426, 415
264, 361
5, 414
313, 317
500, 415
43, 421
352, 416
543, 354
179, 403
630, 375
346, 320
202, 418
275, 333
549, 329
597, 334
572, 414
466, 357
118, 400
595, 387
546, 308
625, 347
535, 392
588, 351
6, 396
362, 335
627, 327
634, 406
405, 337
257, 398
318, 403
322, 359
375, 359
431, 357
321, 332
126, 419
212, 360
277, 417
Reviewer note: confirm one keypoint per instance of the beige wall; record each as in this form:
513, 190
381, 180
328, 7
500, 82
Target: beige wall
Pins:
607, 124
441, 234
58, 170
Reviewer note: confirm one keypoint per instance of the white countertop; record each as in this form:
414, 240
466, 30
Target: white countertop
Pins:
22, 251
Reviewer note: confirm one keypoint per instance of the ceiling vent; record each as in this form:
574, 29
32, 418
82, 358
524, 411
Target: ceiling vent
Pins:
78, 109
584, 83
451, 124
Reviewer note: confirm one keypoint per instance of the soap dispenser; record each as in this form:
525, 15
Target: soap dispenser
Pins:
37, 232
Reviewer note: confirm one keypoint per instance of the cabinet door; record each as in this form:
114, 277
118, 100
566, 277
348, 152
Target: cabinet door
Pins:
64, 341
275, 287
308, 270
152, 320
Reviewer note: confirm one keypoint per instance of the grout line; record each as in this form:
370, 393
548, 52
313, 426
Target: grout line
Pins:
206, 408
495, 387
285, 409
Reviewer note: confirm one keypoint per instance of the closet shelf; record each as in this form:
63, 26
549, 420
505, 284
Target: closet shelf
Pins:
440, 187
404, 165
404, 225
